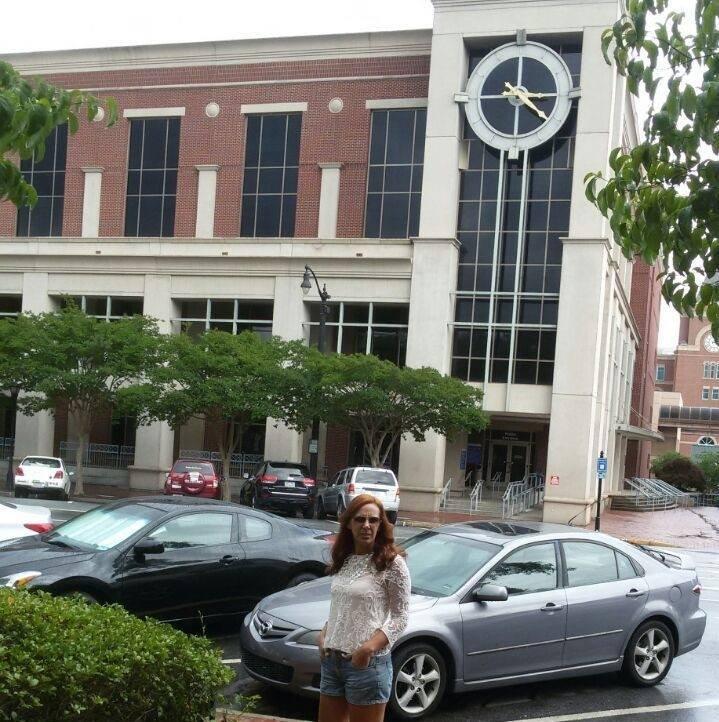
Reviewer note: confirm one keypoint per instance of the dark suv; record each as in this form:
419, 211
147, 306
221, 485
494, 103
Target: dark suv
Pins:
281, 486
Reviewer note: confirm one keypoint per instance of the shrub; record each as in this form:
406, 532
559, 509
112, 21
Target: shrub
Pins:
659, 461
681, 472
709, 464
64, 659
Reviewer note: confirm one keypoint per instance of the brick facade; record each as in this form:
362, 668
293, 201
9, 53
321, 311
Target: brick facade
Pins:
326, 137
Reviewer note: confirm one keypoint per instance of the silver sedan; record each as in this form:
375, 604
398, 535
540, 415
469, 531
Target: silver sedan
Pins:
497, 604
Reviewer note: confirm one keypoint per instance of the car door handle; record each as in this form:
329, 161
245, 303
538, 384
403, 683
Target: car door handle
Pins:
552, 607
229, 559
632, 593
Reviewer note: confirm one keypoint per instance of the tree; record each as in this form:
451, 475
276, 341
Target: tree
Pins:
662, 197
679, 471
84, 362
709, 464
384, 402
228, 381
29, 113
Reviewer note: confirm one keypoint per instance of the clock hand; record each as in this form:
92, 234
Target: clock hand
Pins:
524, 97
517, 93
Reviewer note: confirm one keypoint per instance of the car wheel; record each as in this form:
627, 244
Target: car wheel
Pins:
321, 513
392, 517
84, 596
419, 681
308, 512
649, 654
300, 578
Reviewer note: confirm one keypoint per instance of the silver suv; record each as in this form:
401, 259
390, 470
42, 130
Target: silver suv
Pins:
345, 485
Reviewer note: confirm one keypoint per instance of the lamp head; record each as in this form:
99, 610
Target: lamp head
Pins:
306, 284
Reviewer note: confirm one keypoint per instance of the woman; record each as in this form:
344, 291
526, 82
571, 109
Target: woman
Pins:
368, 612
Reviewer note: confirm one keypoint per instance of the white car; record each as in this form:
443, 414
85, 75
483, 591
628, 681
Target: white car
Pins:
345, 485
17, 521
42, 474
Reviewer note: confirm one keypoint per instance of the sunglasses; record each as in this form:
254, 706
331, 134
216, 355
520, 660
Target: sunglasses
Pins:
372, 520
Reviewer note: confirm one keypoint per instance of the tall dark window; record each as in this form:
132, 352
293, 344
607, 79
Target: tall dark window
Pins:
269, 190
512, 215
394, 180
47, 176
198, 315
152, 177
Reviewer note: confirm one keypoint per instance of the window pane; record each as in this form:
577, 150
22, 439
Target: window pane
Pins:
222, 309
96, 306
625, 567
268, 216
195, 530
589, 563
400, 136
356, 312
530, 569
193, 309
125, 306
255, 310
155, 141
150, 216
394, 216
395, 314
272, 148
354, 340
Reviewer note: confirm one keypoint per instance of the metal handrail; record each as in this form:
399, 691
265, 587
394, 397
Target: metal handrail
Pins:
445, 493
475, 498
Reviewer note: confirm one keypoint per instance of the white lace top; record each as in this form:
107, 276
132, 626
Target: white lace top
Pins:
365, 600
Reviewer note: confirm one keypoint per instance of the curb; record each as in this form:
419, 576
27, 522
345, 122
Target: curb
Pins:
228, 715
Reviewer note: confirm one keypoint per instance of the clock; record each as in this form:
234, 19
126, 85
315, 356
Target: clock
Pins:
710, 344
519, 96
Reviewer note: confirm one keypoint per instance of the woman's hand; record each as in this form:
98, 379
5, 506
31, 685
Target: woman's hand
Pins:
361, 657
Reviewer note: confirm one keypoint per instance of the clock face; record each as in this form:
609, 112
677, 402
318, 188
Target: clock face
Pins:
710, 344
519, 96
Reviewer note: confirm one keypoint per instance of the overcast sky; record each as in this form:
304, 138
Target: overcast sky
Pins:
53, 25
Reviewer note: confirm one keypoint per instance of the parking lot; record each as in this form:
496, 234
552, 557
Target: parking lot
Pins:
689, 693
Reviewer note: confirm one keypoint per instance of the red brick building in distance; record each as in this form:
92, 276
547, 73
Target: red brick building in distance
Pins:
686, 400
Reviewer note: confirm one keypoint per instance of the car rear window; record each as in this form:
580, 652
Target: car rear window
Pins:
290, 469
187, 467
39, 461
376, 476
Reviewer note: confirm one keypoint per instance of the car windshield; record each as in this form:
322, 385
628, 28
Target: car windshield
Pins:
39, 461
188, 467
375, 476
439, 564
103, 528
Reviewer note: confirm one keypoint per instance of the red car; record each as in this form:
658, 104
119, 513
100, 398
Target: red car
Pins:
189, 477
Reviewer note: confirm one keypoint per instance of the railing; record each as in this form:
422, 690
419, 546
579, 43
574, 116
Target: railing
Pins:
102, 456
700, 499
6, 444
445, 494
521, 496
652, 495
475, 498
240, 464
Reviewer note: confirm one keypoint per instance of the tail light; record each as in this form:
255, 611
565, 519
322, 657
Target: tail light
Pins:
19, 471
351, 487
211, 482
697, 589
268, 478
308, 482
58, 474
40, 528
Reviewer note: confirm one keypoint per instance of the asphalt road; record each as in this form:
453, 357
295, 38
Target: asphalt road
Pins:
688, 694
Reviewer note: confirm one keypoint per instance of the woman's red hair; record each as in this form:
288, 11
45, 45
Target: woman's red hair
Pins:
385, 549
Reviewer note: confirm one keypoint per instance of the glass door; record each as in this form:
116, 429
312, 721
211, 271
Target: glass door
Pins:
519, 464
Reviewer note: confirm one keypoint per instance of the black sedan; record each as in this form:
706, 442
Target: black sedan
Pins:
171, 558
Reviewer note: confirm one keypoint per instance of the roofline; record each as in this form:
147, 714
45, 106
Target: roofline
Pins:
396, 43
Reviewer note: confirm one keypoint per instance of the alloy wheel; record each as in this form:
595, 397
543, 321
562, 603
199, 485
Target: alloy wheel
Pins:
418, 683
652, 654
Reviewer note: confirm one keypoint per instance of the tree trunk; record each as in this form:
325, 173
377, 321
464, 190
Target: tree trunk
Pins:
226, 489
82, 442
228, 440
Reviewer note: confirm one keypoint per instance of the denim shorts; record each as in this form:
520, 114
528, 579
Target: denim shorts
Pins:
371, 685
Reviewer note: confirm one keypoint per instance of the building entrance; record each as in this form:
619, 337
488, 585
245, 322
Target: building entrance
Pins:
510, 459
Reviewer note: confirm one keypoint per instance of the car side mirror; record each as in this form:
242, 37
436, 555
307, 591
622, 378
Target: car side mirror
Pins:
148, 546
490, 593
245, 476
71, 473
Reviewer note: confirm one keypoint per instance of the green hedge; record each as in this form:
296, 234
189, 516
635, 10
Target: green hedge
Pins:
64, 659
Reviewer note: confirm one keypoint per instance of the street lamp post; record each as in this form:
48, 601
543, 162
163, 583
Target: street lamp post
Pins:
306, 287
10, 476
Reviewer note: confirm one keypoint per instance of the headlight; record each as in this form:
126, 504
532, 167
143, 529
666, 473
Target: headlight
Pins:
19, 581
310, 638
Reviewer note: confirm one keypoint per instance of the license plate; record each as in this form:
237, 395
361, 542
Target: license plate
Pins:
194, 477
37, 482
290, 484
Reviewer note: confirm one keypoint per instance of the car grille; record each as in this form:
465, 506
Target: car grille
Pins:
269, 627
267, 668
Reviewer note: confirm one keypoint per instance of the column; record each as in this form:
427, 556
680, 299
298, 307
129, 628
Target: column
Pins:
35, 434
206, 192
434, 261
577, 431
329, 200
91, 202
154, 443
281, 442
